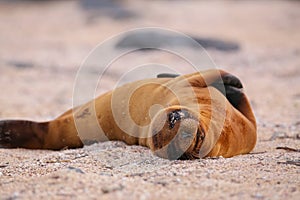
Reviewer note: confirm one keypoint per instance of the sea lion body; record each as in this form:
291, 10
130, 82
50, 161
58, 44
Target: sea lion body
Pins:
176, 117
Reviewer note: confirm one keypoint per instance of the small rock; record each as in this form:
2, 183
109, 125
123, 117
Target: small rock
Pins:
258, 196
20, 64
278, 135
3, 166
163, 183
76, 169
111, 188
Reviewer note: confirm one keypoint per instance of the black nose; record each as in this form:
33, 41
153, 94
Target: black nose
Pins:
175, 116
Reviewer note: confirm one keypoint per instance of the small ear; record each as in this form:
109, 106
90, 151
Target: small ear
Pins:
167, 75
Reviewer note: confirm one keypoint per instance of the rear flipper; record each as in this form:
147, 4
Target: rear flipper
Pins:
20, 133
54, 135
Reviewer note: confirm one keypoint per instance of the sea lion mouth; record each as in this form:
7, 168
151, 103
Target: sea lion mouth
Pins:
194, 154
191, 153
181, 136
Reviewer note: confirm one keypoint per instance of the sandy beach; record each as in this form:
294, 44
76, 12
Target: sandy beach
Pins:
43, 44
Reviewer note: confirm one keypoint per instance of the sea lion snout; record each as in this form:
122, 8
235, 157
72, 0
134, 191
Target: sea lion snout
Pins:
175, 116
179, 134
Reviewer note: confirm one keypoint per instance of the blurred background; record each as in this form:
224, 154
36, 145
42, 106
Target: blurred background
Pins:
43, 43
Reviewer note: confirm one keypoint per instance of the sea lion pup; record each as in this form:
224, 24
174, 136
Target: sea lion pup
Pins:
204, 114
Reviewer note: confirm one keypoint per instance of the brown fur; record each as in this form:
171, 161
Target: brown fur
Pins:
190, 116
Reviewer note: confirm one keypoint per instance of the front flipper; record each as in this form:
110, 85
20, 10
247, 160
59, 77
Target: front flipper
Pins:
228, 84
234, 94
232, 86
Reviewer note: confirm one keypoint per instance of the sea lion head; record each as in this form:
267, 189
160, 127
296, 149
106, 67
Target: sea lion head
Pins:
176, 133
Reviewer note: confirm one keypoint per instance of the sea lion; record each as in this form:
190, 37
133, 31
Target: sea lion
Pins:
203, 114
